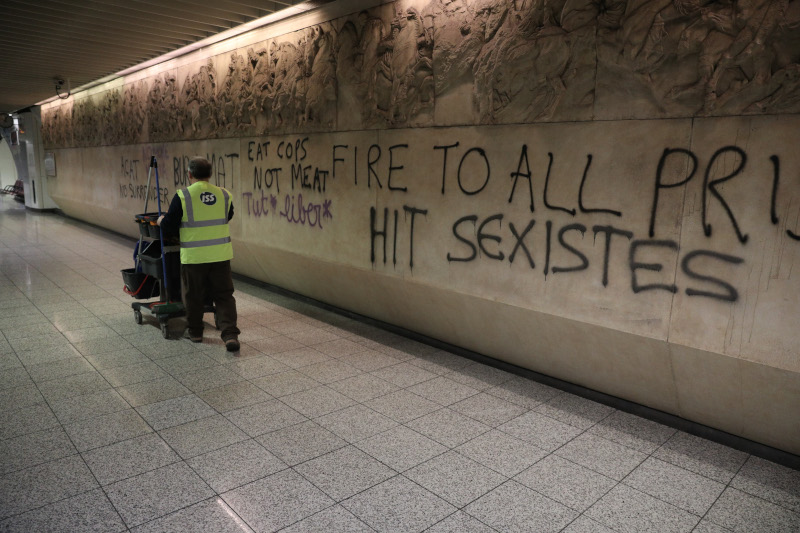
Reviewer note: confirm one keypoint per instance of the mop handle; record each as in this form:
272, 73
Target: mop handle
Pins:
146, 198
154, 164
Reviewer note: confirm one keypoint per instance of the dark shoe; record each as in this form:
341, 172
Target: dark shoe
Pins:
193, 338
232, 345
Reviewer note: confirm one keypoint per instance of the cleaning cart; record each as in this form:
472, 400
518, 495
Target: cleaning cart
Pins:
157, 269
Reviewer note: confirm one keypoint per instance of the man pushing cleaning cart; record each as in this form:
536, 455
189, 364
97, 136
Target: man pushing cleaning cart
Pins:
158, 272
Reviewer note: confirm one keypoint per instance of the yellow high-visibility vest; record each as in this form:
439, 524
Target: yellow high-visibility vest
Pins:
204, 231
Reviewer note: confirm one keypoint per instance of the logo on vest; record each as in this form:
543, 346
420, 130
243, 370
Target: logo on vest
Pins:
208, 198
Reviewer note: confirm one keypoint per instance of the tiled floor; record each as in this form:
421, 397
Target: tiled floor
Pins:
321, 423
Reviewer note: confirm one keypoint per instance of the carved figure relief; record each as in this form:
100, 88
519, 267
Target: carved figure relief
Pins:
132, 116
501, 61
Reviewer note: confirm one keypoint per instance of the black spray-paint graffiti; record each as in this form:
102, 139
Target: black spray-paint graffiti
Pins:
223, 168
477, 237
132, 189
271, 159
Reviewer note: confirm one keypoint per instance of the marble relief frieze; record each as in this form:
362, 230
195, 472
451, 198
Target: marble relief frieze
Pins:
464, 62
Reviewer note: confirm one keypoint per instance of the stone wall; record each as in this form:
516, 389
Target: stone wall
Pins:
608, 193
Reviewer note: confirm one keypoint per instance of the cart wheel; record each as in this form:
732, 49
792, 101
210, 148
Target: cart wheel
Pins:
164, 330
216, 320
137, 316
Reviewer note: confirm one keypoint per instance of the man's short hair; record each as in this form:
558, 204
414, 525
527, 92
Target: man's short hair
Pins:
200, 168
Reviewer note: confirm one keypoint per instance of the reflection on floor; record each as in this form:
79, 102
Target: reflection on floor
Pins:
320, 423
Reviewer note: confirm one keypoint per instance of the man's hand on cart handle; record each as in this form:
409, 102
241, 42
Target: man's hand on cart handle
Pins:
160, 219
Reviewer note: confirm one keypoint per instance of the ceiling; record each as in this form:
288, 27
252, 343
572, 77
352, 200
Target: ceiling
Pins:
81, 41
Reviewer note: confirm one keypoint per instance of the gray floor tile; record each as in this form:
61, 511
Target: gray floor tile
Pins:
627, 510
515, 508
19, 397
443, 391
60, 369
185, 363
284, 383
404, 374
71, 386
302, 357
202, 436
27, 420
121, 376
258, 367
235, 465
151, 392
253, 332
574, 410
356, 423
740, 512
212, 515
455, 478
90, 512
43, 484
672, 484
129, 458
50, 354
97, 346
398, 505
363, 387
89, 406
603, 456
91, 333
329, 371
460, 522
706, 526
334, 519
401, 448
582, 524
175, 411
107, 429
233, 396
273, 345
447, 427
264, 417
541, 431
488, 409
301, 442
158, 349
368, 361
208, 378
29, 344
159, 492
288, 496
34, 448
568, 483
339, 347
14, 377
317, 402
501, 452
633, 431
116, 358
702, 456
402, 406
774, 483
313, 337
344, 472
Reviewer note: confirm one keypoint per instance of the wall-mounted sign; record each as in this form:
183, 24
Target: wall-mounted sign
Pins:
50, 164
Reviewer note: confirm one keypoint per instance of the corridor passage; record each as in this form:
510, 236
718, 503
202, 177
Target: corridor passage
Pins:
321, 423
